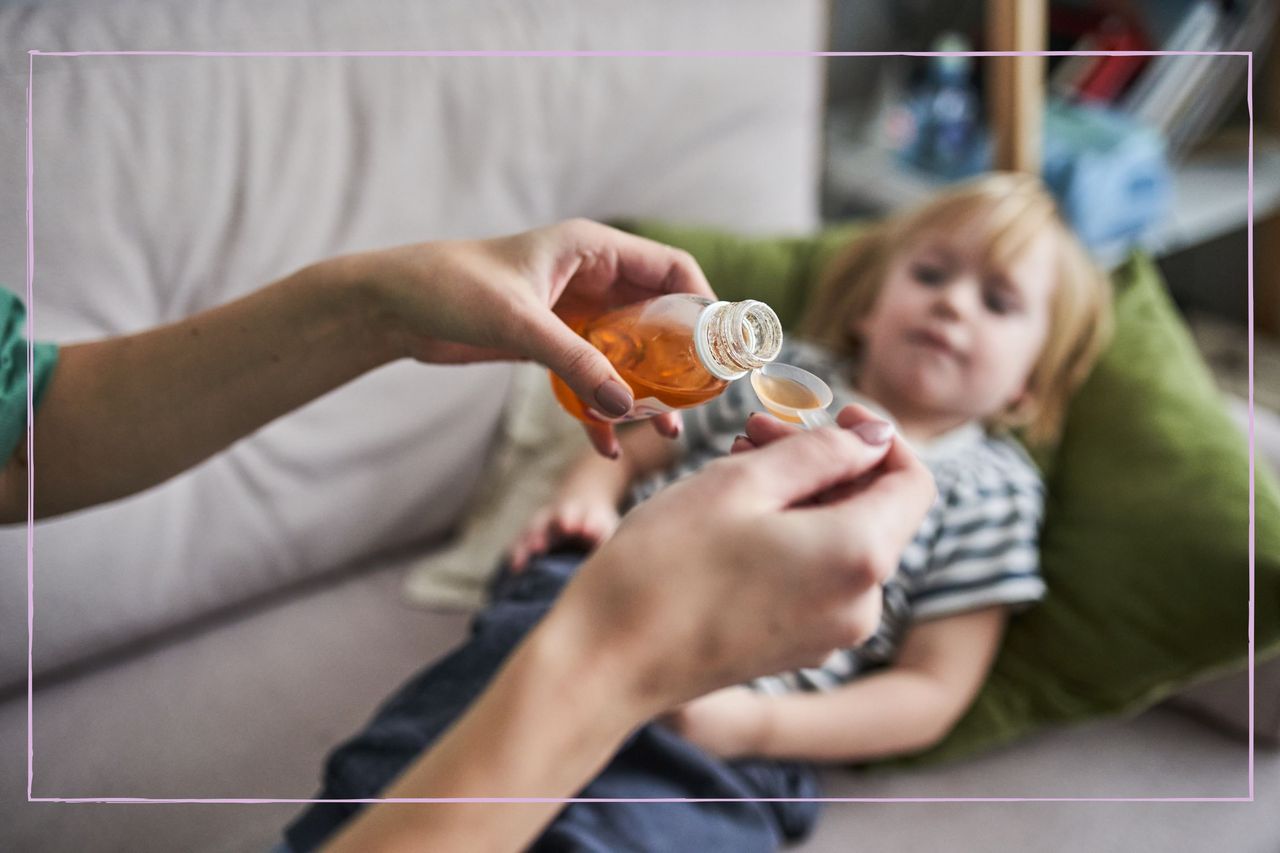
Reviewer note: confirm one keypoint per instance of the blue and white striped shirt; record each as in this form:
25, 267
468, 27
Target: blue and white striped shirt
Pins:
977, 546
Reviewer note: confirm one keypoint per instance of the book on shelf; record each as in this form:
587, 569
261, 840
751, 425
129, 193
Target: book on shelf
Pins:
1249, 31
1186, 97
1165, 77
1091, 76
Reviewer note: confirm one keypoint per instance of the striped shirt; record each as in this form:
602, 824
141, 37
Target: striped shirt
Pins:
977, 546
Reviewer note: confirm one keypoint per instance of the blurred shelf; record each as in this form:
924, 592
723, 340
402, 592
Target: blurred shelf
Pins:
1211, 191
1211, 188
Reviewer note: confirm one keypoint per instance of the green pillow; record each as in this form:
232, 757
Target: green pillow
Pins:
1145, 546
776, 270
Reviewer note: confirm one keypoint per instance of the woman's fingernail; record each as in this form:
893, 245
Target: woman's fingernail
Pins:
875, 432
614, 399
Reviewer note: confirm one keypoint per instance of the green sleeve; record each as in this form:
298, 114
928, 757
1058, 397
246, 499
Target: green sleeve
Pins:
13, 372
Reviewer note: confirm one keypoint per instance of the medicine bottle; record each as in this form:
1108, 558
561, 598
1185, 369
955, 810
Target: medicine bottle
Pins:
677, 350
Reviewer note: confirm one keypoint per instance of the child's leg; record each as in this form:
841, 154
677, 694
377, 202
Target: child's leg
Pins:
424, 707
656, 763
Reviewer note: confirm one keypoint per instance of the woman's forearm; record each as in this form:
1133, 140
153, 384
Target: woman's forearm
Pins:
893, 712
636, 632
549, 721
129, 412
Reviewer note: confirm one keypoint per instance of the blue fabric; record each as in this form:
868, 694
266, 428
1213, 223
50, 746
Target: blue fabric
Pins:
653, 763
13, 372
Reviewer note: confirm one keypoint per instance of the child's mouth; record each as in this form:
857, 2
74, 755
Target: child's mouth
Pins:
934, 341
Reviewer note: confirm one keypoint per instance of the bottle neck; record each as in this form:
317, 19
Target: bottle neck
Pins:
733, 338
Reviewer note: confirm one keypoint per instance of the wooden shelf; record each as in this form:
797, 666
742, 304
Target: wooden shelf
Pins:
1015, 84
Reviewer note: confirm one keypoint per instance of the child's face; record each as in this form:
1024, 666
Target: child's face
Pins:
949, 340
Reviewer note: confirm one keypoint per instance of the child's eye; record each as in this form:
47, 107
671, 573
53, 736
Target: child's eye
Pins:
928, 273
1000, 302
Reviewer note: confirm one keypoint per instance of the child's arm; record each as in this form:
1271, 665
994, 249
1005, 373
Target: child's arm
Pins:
585, 506
902, 709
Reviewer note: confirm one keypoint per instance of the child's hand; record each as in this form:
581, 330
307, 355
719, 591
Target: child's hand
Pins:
730, 723
566, 519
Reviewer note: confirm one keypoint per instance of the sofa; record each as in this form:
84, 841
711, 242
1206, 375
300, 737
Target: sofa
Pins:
205, 643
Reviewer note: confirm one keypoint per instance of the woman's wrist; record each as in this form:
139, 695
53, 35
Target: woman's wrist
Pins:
349, 282
609, 665
591, 676
547, 723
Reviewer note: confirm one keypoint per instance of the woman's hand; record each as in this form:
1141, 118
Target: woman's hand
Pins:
761, 562
567, 518
123, 414
730, 723
477, 300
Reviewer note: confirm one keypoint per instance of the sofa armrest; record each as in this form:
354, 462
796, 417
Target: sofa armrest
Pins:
1224, 702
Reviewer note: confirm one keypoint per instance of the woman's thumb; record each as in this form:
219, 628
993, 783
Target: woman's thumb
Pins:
583, 367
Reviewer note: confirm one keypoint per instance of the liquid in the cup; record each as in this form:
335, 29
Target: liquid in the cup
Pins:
775, 391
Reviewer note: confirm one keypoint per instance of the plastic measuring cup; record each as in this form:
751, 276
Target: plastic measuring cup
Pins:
793, 394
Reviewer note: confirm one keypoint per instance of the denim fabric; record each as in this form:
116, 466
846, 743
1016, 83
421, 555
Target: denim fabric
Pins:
653, 763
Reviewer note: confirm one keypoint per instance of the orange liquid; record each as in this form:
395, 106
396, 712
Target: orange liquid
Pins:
775, 391
657, 359
787, 392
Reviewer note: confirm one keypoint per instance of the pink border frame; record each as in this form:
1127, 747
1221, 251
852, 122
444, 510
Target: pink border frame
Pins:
30, 332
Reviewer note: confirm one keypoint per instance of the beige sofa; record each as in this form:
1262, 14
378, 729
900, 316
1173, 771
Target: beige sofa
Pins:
212, 638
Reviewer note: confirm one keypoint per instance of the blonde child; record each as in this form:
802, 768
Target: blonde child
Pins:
974, 315
962, 321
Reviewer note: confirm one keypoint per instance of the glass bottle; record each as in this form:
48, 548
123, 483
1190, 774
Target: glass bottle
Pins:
677, 350
946, 115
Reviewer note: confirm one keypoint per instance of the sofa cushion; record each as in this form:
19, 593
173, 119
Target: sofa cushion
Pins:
1146, 539
168, 184
251, 707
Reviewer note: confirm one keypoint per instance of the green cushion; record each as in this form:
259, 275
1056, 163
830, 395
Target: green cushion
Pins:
1145, 545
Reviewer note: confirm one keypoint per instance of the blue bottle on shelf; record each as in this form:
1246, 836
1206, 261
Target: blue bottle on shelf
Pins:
946, 115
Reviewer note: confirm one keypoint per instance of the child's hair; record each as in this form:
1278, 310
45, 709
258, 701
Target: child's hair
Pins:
1011, 210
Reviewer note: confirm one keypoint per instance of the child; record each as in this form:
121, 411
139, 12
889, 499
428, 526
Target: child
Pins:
973, 315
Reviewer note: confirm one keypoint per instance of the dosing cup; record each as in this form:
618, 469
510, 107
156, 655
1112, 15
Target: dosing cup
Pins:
794, 395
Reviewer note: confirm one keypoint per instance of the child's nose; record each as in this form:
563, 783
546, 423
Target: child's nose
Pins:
957, 300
